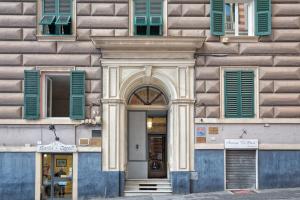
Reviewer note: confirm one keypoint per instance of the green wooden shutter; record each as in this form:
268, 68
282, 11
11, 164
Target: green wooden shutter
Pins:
140, 12
263, 17
77, 95
217, 17
64, 12
232, 97
31, 94
247, 94
156, 12
49, 12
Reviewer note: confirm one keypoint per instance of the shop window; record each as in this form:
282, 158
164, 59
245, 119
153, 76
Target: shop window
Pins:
56, 17
148, 17
58, 95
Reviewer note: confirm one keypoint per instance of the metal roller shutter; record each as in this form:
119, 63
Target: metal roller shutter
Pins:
240, 169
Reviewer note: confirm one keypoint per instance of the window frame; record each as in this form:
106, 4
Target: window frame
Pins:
250, 21
164, 18
256, 90
51, 37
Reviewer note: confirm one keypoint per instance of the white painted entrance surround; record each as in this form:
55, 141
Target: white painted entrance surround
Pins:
175, 77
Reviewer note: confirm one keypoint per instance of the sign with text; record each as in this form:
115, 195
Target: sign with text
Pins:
56, 147
200, 131
241, 144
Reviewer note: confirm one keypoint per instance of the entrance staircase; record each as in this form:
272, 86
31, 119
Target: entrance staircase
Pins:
135, 187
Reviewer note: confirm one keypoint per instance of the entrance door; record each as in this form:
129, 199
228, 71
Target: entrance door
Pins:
57, 174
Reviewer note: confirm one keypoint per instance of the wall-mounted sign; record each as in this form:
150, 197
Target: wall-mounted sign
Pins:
213, 130
241, 144
56, 147
200, 131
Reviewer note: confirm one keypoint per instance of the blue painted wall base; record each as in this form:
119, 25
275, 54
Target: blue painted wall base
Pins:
181, 182
209, 166
93, 182
17, 172
278, 169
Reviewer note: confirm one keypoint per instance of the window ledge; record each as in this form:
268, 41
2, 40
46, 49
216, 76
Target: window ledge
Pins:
46, 121
237, 39
56, 37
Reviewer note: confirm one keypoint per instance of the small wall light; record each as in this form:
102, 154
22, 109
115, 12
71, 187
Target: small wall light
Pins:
149, 122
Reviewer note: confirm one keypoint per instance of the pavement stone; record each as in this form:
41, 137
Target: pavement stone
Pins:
272, 194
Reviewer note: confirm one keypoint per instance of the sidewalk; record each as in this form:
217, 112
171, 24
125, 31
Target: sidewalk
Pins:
273, 194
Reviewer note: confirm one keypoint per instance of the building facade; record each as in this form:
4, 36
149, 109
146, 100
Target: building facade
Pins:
105, 98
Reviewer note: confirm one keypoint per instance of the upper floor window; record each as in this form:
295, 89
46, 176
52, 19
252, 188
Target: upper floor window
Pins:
239, 94
148, 17
56, 17
241, 17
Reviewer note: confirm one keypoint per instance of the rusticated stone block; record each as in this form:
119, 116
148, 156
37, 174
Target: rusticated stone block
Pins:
76, 47
10, 8
10, 59
92, 98
10, 86
288, 35
95, 60
212, 111
83, 8
212, 86
56, 60
121, 9
10, 34
270, 48
102, 22
207, 99
287, 86
239, 60
83, 34
29, 8
207, 73
87, 86
282, 99
102, 32
266, 111
287, 112
174, 32
96, 86
193, 10
87, 112
10, 112
287, 60
102, 9
279, 73
207, 10
121, 32
193, 33
219, 48
189, 22
200, 86
25, 21
266, 86
11, 99
200, 111
91, 73
285, 22
27, 47
210, 37
286, 9
29, 34
174, 9
7, 73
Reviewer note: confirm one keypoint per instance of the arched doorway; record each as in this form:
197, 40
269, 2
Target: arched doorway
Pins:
147, 108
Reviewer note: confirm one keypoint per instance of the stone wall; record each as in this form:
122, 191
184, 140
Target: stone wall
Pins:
277, 57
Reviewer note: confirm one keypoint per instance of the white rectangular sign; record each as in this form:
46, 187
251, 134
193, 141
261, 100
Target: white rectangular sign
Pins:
241, 144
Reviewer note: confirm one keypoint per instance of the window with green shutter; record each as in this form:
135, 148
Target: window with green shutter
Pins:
57, 17
239, 94
148, 17
77, 95
31, 94
240, 17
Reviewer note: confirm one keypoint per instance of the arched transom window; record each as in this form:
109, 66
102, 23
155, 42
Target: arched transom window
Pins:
147, 95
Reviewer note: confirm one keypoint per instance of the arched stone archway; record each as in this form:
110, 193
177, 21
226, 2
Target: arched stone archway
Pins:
175, 79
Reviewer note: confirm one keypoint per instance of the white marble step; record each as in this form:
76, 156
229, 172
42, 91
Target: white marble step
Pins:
134, 187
